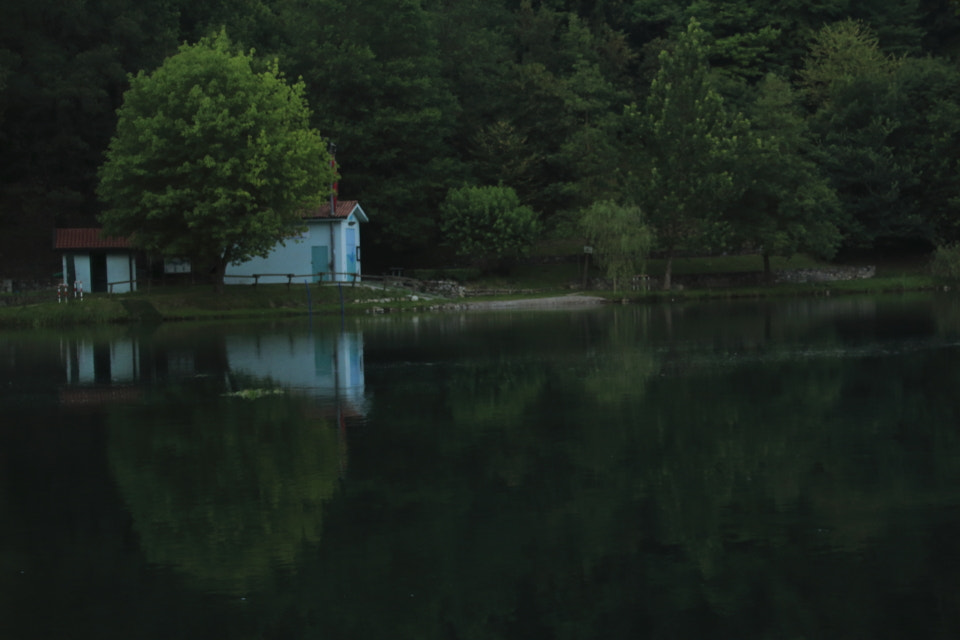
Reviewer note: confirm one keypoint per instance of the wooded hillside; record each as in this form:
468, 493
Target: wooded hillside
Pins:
843, 117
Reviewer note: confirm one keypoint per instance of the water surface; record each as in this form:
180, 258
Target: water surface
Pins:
719, 470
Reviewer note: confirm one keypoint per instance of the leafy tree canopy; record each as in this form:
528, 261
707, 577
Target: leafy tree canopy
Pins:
845, 52
213, 158
887, 132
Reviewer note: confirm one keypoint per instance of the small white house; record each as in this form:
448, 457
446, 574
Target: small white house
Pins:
97, 263
328, 251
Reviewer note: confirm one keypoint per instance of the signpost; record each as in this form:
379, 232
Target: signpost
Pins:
587, 252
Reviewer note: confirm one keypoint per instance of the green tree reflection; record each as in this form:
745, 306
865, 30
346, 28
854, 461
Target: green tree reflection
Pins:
778, 474
226, 490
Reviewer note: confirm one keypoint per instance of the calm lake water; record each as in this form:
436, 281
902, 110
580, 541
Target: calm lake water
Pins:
786, 469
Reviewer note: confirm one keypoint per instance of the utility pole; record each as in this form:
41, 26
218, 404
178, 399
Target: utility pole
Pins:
332, 148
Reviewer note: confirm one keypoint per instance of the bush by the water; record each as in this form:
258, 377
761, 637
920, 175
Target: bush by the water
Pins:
945, 262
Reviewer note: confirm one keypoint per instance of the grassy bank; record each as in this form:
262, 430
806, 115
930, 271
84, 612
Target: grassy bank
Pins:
876, 285
270, 301
198, 302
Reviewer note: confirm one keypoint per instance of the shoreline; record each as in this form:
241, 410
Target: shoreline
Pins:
197, 305
572, 300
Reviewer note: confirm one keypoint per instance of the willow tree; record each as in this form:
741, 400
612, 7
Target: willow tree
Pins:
620, 236
213, 158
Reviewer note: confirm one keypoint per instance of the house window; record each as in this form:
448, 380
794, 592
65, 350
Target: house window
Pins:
176, 265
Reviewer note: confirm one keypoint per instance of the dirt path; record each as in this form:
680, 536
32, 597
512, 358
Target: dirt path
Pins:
555, 302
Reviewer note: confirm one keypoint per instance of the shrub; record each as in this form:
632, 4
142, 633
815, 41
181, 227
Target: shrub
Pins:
487, 224
945, 262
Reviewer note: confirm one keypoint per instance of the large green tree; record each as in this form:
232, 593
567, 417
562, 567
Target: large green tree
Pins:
788, 205
684, 151
213, 158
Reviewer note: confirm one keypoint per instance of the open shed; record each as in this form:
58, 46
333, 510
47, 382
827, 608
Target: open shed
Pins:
95, 261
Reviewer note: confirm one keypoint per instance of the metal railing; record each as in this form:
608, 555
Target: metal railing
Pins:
319, 278
133, 285
323, 277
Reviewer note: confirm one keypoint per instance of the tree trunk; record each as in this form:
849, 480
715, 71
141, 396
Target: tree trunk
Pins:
667, 272
218, 275
767, 274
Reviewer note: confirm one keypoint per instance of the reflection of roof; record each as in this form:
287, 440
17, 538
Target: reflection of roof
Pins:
342, 211
345, 411
98, 396
87, 239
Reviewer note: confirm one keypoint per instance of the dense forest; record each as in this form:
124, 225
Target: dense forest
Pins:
800, 125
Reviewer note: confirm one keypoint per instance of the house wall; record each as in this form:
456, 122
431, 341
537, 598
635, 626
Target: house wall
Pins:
121, 268
293, 258
350, 228
296, 256
81, 269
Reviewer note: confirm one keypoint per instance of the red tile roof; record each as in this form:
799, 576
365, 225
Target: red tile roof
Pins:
344, 209
87, 239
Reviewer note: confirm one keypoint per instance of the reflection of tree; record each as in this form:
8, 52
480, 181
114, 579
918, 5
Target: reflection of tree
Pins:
224, 489
620, 371
491, 477
759, 486
763, 461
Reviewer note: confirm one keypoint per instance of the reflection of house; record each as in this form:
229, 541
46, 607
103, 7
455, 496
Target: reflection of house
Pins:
127, 360
101, 362
95, 260
330, 246
100, 372
325, 366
